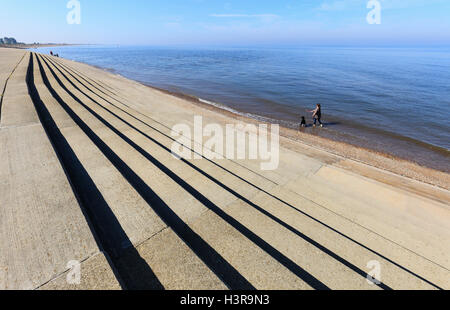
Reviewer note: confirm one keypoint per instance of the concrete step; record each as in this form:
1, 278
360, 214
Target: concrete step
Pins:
42, 225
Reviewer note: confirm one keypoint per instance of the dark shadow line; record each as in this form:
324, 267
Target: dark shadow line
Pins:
237, 195
106, 229
348, 264
281, 258
226, 272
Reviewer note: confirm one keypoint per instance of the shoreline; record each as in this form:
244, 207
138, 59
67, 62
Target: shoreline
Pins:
282, 123
378, 159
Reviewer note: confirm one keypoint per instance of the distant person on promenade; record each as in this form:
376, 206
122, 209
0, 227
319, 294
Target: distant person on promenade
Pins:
51, 53
317, 115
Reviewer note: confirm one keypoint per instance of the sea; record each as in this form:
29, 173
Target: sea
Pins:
394, 100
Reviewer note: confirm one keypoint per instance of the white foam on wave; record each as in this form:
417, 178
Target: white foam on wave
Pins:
249, 115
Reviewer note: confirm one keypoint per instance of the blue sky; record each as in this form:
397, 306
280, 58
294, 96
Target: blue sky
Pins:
229, 22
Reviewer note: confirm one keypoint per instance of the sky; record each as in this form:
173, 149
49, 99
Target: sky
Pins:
228, 23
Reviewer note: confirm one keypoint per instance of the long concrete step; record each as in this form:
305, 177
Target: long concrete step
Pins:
43, 228
9, 60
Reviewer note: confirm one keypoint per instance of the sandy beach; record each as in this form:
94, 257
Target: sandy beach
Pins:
87, 176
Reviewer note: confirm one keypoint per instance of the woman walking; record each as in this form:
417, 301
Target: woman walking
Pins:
317, 115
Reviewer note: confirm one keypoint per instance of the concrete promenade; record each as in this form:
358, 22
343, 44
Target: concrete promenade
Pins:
86, 174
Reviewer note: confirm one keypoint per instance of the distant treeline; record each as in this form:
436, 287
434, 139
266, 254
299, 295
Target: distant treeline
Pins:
9, 41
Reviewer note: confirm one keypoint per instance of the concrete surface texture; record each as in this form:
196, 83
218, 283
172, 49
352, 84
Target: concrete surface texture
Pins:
87, 175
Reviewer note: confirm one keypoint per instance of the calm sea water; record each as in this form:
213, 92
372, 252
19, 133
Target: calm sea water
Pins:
394, 100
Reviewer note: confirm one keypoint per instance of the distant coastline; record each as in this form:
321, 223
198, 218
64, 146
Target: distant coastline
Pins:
38, 45
10, 42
